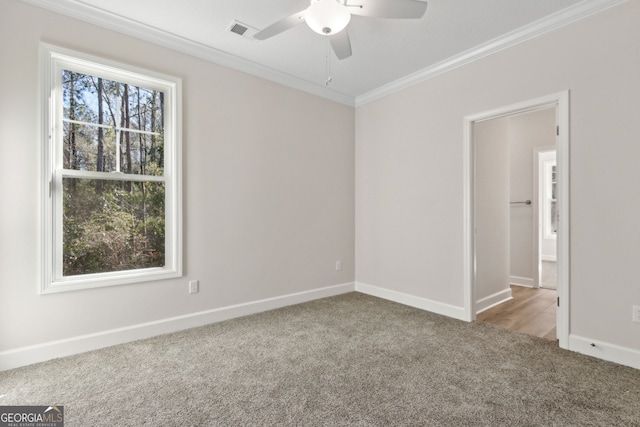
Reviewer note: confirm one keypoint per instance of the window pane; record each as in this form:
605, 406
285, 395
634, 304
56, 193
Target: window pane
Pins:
89, 148
91, 99
553, 182
146, 109
141, 154
111, 229
112, 225
80, 95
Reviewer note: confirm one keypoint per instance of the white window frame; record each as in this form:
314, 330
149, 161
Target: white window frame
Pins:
53, 60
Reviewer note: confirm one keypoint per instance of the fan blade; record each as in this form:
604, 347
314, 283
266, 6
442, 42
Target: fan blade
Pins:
399, 9
280, 26
341, 44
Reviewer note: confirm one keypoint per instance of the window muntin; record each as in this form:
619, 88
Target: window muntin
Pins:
112, 205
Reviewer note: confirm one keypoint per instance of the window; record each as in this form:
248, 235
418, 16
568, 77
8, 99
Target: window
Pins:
111, 181
550, 219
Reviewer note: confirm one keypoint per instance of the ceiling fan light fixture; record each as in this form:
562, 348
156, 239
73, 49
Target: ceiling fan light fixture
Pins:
327, 17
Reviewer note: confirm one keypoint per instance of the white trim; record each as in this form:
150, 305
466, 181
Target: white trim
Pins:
28, 355
53, 60
548, 258
102, 18
561, 101
66, 347
527, 282
123, 25
486, 303
605, 351
563, 235
412, 301
468, 222
537, 28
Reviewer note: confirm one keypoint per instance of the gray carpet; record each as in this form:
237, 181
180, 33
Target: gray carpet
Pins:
346, 360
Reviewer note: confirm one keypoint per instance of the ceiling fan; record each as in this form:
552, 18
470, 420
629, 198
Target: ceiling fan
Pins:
331, 17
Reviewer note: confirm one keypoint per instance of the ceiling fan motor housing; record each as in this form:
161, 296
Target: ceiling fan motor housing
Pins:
327, 16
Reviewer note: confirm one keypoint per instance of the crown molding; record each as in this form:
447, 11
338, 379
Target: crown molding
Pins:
542, 26
119, 24
102, 18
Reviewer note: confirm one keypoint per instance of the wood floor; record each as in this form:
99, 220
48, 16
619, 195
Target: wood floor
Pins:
531, 311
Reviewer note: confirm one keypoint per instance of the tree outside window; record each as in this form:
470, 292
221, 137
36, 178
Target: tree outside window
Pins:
113, 207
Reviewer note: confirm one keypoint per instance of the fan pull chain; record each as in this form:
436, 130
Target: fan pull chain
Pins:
327, 57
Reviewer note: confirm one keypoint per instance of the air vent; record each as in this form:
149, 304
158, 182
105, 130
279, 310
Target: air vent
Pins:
243, 30
239, 29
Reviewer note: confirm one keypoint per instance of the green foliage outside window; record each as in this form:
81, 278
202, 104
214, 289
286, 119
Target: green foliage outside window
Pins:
118, 223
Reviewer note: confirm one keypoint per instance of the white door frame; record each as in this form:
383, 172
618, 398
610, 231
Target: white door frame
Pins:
560, 101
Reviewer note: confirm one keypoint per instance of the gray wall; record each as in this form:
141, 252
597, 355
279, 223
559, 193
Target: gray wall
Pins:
526, 131
268, 188
492, 183
409, 170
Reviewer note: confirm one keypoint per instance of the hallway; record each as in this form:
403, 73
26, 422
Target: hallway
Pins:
531, 311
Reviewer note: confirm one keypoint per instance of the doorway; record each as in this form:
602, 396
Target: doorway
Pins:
473, 270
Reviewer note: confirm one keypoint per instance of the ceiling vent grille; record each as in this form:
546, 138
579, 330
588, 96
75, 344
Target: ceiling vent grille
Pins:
239, 29
243, 30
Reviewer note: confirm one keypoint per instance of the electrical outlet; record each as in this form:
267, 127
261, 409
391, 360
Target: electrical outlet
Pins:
338, 265
636, 314
194, 287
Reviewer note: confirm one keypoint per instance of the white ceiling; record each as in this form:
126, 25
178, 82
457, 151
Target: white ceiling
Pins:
386, 52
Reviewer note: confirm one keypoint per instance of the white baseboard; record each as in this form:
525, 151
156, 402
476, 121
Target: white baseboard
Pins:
492, 300
522, 281
606, 351
412, 301
51, 350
